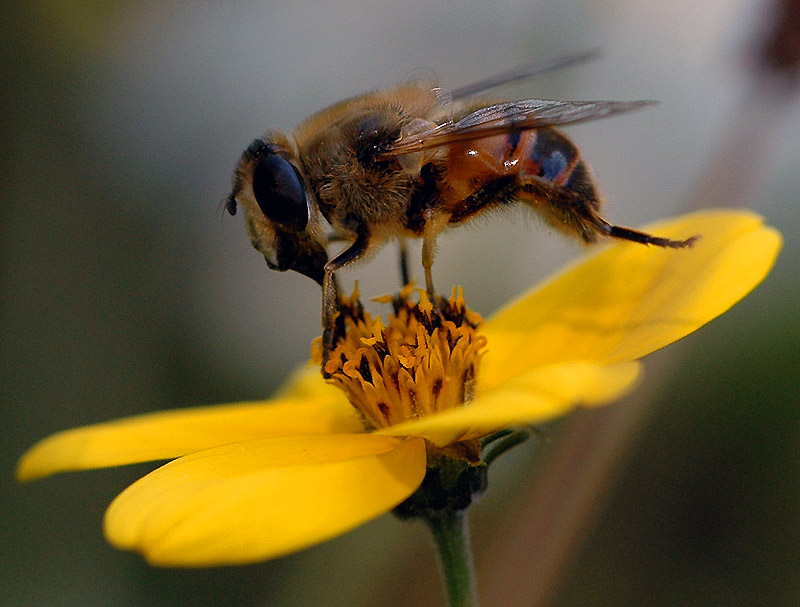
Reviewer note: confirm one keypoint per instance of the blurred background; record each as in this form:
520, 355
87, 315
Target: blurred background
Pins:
125, 290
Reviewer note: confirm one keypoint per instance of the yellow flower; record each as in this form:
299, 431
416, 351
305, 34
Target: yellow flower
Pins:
252, 481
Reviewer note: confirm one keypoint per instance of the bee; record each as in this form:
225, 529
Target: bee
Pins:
411, 161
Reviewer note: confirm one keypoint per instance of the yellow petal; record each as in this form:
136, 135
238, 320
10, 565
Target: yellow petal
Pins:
530, 398
261, 499
629, 300
169, 434
306, 382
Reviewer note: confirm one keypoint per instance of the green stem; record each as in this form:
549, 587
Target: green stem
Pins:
450, 531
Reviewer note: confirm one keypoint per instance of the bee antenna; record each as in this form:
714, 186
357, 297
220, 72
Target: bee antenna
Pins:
229, 204
226, 204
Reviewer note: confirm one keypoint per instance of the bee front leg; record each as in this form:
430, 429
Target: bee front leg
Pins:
330, 295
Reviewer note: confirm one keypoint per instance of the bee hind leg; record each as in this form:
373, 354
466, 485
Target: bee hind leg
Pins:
576, 211
605, 228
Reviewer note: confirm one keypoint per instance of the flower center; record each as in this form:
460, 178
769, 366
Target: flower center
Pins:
423, 361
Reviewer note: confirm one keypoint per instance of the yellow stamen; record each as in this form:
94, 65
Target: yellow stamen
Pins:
424, 360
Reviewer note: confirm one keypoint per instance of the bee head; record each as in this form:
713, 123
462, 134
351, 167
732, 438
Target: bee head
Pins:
270, 188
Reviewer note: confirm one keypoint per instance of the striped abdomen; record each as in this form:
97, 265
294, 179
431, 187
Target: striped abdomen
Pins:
541, 167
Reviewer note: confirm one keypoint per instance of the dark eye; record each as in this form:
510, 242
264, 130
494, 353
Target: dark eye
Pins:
279, 192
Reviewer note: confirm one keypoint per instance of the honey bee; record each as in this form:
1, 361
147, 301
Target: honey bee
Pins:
411, 161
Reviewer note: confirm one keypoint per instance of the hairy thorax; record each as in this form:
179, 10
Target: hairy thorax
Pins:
351, 187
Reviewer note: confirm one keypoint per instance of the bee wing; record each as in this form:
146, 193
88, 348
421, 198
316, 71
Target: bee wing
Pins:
509, 117
540, 68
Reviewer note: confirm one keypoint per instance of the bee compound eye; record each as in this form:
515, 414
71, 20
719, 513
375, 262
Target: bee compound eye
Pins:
279, 192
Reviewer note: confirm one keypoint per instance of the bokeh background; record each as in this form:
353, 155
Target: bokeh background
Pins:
125, 290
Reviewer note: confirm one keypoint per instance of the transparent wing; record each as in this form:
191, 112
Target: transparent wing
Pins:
539, 68
509, 117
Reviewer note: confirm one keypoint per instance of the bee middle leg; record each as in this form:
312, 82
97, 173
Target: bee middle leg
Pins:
434, 224
405, 275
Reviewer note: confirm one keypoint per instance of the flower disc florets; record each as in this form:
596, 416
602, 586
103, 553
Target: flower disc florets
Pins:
423, 361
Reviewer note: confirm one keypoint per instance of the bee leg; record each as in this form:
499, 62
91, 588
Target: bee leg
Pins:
602, 226
330, 295
433, 226
404, 274
577, 212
